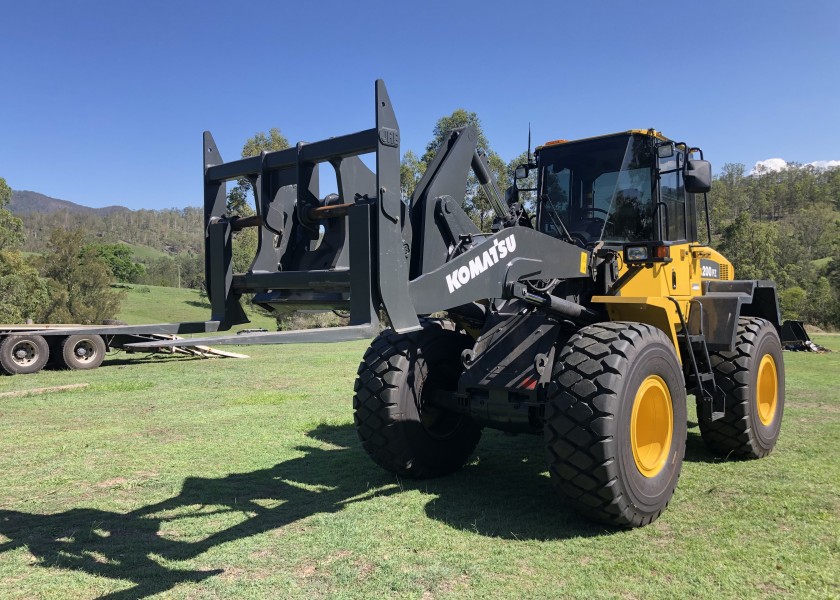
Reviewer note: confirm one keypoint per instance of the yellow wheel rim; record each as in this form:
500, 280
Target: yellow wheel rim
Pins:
651, 426
767, 390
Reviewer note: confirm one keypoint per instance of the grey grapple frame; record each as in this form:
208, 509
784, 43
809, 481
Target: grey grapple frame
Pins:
366, 248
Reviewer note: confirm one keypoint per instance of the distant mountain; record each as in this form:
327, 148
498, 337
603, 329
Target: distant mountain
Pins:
25, 202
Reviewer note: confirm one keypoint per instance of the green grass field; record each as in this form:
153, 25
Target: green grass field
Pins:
152, 304
221, 478
144, 253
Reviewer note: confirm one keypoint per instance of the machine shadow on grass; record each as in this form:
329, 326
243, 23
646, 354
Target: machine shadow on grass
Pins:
506, 473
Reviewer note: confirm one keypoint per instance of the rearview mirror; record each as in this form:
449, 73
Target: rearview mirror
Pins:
665, 150
521, 172
697, 176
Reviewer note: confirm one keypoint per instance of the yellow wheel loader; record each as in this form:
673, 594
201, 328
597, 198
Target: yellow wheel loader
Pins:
587, 317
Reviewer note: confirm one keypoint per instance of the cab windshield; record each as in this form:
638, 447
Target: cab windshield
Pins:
598, 189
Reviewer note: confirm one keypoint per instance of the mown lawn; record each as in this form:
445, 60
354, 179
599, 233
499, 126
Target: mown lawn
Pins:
144, 304
144, 253
219, 478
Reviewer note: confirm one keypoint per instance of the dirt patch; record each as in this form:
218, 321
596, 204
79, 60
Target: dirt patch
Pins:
161, 434
661, 534
337, 556
112, 483
365, 569
306, 571
459, 583
770, 589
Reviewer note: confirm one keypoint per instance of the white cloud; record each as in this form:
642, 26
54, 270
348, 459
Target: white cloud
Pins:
779, 164
825, 164
771, 164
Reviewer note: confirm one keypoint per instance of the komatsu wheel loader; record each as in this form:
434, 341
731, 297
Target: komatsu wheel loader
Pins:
588, 322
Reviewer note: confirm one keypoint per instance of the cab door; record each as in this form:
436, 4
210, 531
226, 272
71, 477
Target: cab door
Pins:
673, 223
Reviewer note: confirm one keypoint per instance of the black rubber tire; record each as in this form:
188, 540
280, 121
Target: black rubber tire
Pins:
23, 354
740, 433
398, 429
80, 352
595, 381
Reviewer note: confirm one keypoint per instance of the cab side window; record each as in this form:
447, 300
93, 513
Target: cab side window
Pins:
671, 207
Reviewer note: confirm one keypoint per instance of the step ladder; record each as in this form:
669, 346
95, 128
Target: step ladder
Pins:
700, 378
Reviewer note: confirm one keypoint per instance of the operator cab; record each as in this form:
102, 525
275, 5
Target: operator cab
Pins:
619, 189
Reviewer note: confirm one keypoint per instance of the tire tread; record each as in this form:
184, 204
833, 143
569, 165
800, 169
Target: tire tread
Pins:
732, 435
376, 409
582, 403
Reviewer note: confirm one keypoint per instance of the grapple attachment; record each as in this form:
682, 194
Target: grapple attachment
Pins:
365, 249
344, 251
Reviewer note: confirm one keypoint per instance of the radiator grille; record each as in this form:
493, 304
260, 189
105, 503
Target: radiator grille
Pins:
724, 272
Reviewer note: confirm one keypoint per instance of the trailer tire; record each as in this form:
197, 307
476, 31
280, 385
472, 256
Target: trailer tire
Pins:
80, 352
753, 379
398, 429
23, 354
615, 424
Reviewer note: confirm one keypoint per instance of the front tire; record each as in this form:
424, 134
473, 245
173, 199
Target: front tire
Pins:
753, 379
615, 424
23, 354
399, 430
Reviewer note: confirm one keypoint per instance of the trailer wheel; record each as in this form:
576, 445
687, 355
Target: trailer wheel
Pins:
753, 379
80, 352
615, 423
398, 428
22, 354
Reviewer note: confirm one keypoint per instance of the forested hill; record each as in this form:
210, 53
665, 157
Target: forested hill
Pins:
170, 231
25, 202
783, 225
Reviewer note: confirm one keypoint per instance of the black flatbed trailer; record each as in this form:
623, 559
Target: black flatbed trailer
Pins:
28, 348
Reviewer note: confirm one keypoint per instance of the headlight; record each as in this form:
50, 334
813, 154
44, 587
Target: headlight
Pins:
636, 253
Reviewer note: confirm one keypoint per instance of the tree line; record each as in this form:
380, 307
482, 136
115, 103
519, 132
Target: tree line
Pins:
171, 230
785, 226
781, 225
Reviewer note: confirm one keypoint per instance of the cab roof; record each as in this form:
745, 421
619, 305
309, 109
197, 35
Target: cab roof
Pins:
650, 132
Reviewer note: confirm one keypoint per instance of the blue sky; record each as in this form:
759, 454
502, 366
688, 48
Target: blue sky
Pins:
104, 102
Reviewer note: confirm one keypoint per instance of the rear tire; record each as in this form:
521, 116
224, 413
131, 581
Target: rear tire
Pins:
80, 352
398, 428
753, 379
23, 354
615, 424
